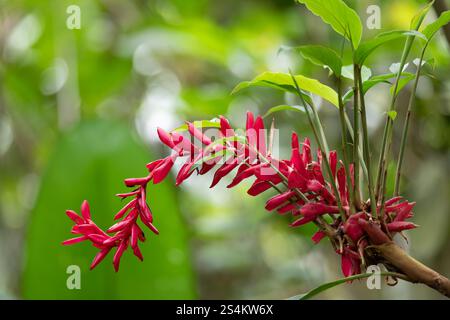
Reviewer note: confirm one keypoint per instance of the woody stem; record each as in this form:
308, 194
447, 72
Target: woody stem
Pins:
416, 271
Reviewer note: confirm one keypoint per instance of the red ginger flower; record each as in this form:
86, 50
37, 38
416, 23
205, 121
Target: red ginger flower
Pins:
126, 232
307, 195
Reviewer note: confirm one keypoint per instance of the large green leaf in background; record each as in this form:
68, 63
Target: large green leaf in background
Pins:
322, 56
90, 163
339, 16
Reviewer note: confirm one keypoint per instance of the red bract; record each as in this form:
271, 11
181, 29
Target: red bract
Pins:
305, 191
124, 233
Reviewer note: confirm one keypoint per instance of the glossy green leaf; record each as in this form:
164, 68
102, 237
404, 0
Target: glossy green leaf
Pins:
199, 124
375, 80
403, 82
420, 16
322, 56
284, 108
431, 29
91, 162
339, 16
335, 283
283, 81
347, 72
369, 46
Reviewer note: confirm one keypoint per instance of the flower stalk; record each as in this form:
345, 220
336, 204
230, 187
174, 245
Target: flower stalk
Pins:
387, 132
356, 137
406, 125
366, 143
344, 143
322, 145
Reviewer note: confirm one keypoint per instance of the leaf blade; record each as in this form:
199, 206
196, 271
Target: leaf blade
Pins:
283, 108
339, 16
335, 283
368, 47
322, 56
198, 124
283, 81
430, 30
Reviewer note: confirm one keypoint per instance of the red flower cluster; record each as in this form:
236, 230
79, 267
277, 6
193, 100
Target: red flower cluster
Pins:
126, 232
304, 192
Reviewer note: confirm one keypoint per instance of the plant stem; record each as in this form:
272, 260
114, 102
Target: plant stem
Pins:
406, 125
356, 191
387, 133
416, 271
319, 222
332, 178
342, 116
319, 126
366, 144
321, 148
360, 154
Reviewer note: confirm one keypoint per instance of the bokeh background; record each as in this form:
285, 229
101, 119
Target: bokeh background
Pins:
79, 110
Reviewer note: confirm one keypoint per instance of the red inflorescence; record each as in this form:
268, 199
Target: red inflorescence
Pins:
304, 192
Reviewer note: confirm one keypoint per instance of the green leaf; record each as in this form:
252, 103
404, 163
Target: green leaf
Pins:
284, 108
347, 72
431, 29
335, 283
395, 67
322, 56
283, 81
402, 82
392, 114
91, 162
339, 16
420, 16
369, 84
366, 48
199, 124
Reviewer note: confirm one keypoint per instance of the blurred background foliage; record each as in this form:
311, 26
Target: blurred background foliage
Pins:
79, 110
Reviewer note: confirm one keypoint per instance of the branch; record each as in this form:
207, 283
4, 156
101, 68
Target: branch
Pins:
416, 271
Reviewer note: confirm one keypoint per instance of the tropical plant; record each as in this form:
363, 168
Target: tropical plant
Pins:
346, 199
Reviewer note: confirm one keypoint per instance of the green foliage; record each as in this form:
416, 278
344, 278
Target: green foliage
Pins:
403, 82
284, 108
430, 30
199, 124
322, 56
339, 16
392, 114
417, 20
347, 72
375, 80
207, 46
283, 81
335, 283
368, 47
92, 161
